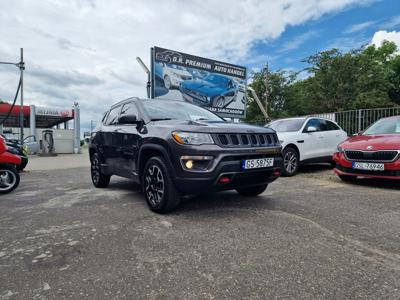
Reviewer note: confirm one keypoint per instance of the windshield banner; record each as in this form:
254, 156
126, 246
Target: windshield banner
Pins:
217, 86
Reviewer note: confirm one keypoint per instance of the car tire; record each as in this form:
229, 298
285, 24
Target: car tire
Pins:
99, 179
219, 102
167, 82
9, 173
348, 178
290, 162
252, 191
159, 190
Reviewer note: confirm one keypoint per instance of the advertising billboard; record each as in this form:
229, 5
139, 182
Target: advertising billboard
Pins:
217, 86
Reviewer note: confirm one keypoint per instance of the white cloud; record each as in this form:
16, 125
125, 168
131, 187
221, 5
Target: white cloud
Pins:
359, 27
298, 41
97, 41
383, 35
391, 23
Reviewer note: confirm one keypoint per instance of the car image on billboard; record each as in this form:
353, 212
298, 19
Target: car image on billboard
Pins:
217, 86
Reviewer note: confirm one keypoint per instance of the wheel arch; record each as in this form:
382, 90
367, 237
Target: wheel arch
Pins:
148, 151
91, 152
294, 146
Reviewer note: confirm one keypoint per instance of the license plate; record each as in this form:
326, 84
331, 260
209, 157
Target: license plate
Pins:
257, 163
368, 166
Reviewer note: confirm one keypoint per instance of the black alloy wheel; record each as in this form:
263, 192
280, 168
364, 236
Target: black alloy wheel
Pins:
158, 188
99, 179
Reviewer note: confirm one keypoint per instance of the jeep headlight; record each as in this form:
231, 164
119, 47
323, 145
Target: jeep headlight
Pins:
192, 138
340, 149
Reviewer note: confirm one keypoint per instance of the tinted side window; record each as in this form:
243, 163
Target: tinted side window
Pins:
103, 120
323, 125
113, 116
332, 126
314, 123
129, 109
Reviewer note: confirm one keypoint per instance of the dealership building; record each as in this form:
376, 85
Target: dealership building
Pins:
64, 125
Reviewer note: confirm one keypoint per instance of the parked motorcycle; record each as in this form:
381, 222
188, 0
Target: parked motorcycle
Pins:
9, 177
16, 148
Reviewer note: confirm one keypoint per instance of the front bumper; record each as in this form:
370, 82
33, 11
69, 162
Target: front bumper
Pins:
344, 167
194, 98
228, 163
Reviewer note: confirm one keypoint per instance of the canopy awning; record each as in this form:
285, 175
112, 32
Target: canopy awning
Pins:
45, 117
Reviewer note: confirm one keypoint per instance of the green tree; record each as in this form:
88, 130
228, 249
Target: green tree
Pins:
277, 87
368, 77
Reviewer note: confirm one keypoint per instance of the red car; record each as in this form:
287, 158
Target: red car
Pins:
374, 153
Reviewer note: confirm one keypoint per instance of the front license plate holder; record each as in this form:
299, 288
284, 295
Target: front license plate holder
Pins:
368, 166
257, 163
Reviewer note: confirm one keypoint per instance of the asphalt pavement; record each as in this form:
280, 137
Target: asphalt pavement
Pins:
306, 237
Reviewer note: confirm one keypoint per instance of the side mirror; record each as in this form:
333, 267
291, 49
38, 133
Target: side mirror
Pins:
360, 132
128, 119
311, 129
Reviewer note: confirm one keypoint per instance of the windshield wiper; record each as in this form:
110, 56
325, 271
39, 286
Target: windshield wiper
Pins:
161, 119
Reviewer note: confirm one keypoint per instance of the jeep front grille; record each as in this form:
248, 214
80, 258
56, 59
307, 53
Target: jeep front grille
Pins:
246, 140
384, 156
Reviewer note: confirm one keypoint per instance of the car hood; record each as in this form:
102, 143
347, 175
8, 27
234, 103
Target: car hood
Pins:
212, 127
203, 87
287, 136
378, 142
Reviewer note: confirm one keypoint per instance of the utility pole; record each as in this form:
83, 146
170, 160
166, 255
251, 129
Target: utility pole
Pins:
255, 97
21, 66
266, 89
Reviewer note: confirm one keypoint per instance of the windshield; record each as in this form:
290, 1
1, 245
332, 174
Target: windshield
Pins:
176, 110
384, 126
287, 125
220, 80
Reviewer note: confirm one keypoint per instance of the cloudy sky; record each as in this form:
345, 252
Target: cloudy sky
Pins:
85, 50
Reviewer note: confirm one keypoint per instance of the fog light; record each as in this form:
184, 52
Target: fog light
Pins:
196, 163
189, 164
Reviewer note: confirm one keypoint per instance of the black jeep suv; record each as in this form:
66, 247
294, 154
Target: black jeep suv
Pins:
173, 148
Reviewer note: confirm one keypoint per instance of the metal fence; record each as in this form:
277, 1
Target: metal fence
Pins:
353, 121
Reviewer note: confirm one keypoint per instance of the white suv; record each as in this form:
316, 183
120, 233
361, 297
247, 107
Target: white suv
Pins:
173, 75
307, 140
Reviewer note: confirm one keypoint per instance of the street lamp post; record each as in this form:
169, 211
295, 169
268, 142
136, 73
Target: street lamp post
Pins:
21, 66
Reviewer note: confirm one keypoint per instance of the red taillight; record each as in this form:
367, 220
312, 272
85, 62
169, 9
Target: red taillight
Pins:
224, 180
